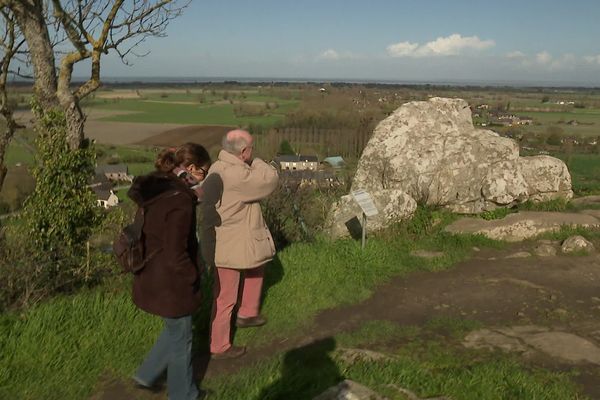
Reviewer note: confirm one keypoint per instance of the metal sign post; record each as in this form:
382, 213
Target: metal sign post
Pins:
368, 208
364, 230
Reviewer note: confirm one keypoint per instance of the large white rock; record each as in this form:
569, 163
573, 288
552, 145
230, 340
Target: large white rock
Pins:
431, 151
393, 205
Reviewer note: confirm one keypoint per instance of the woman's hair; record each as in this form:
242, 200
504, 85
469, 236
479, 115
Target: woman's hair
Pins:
184, 155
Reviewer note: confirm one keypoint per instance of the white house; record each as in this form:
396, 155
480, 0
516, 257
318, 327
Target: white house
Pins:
297, 163
106, 198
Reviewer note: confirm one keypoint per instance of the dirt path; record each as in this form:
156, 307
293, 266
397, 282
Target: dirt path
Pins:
560, 293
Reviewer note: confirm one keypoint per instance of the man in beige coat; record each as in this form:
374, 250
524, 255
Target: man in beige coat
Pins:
243, 242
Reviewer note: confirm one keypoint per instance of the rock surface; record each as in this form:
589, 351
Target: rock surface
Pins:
522, 225
393, 205
349, 390
431, 152
576, 243
530, 339
427, 254
545, 250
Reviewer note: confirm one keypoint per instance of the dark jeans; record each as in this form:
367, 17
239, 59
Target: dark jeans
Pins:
173, 352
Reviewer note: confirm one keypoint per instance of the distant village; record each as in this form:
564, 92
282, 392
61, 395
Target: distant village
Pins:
294, 171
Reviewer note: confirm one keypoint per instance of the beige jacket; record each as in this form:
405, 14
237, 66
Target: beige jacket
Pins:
243, 240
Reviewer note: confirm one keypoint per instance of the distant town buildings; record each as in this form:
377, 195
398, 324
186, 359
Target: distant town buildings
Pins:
115, 172
297, 162
305, 170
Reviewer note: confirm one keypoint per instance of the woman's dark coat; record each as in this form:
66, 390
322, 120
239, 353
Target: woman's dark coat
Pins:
168, 285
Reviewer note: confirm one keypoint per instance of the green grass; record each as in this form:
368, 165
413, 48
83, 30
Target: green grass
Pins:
585, 172
205, 114
419, 360
18, 153
59, 349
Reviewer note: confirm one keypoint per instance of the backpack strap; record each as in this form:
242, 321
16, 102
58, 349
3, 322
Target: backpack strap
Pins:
138, 222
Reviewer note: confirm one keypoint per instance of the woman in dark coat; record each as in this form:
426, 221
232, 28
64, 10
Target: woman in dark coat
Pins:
168, 286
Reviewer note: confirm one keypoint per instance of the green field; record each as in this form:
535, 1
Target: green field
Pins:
182, 108
585, 172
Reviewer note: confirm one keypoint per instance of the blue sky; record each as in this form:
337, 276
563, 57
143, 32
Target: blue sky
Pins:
409, 40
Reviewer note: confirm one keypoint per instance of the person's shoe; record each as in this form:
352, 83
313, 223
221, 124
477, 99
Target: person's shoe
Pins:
141, 385
232, 352
249, 322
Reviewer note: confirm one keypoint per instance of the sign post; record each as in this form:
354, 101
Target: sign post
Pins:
364, 200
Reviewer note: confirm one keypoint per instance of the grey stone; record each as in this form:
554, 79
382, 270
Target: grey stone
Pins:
352, 356
528, 339
432, 153
545, 250
345, 217
576, 243
349, 390
427, 254
586, 200
520, 254
522, 225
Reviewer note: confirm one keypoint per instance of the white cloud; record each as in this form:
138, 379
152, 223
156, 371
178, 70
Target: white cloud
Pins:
592, 59
543, 58
402, 49
515, 55
443, 46
333, 55
329, 54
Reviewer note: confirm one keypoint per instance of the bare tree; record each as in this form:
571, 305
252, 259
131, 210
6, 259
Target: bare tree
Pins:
61, 33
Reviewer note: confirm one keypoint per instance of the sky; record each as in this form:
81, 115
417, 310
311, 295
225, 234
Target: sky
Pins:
527, 41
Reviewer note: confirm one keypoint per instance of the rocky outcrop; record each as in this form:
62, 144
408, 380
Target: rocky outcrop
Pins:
530, 339
575, 244
522, 225
349, 390
430, 151
392, 204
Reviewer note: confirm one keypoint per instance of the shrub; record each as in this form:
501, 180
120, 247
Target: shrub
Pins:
298, 213
47, 249
61, 212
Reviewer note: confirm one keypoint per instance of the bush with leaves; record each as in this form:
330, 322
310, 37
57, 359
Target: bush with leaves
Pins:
298, 213
47, 249
61, 213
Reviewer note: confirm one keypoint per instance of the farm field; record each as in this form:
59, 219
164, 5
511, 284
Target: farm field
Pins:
198, 107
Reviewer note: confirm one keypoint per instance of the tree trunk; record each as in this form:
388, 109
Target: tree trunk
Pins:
30, 18
4, 141
3, 171
75, 123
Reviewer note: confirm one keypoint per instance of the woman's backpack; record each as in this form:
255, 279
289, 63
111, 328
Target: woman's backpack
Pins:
129, 246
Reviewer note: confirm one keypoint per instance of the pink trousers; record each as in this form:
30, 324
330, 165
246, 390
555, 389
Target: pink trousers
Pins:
226, 293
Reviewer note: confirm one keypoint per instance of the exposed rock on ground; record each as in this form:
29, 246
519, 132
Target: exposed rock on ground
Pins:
393, 205
576, 243
427, 254
530, 339
349, 390
545, 250
522, 225
586, 200
519, 254
429, 151
352, 356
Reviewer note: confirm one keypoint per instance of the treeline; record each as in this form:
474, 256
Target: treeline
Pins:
348, 143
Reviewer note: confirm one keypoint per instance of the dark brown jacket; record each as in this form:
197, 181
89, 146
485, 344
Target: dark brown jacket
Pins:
168, 285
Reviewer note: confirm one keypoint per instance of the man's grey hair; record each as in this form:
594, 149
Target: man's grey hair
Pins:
234, 145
